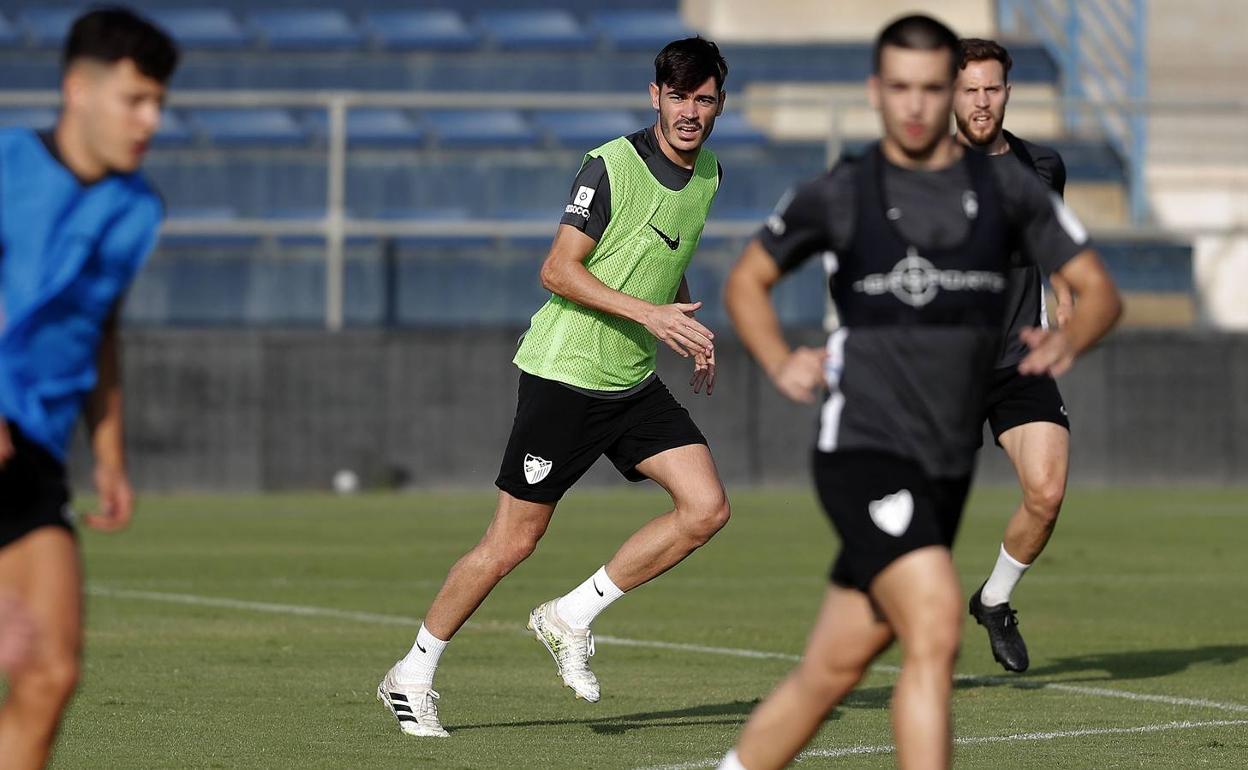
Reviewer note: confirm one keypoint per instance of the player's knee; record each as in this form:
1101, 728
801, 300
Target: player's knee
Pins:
502, 555
1044, 498
706, 517
47, 684
825, 679
936, 642
937, 634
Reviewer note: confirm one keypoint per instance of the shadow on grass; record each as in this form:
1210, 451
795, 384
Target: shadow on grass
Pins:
1141, 664
733, 713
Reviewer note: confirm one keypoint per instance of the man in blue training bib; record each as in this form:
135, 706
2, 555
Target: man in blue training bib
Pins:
77, 221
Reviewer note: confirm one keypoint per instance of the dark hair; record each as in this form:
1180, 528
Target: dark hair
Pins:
977, 49
919, 33
113, 33
686, 64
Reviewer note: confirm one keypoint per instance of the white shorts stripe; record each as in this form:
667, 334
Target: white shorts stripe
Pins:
833, 369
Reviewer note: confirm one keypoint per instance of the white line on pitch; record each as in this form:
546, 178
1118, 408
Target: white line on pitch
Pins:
850, 751
402, 620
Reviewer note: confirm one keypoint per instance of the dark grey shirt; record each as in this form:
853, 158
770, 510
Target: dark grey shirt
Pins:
1025, 294
912, 386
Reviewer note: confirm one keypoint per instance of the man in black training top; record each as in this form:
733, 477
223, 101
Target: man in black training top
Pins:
916, 236
1025, 411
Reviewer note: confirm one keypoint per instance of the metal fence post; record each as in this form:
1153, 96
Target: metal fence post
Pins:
335, 231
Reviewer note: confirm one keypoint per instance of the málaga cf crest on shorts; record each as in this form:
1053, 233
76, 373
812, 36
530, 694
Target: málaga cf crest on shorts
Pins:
535, 468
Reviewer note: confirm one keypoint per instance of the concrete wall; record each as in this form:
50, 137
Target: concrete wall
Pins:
249, 410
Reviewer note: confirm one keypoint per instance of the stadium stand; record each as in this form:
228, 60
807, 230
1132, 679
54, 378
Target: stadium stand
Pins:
467, 164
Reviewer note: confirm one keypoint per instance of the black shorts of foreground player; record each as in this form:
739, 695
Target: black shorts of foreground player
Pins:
916, 236
77, 220
587, 385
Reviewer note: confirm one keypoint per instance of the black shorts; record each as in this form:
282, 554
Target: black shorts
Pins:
34, 490
559, 433
883, 507
1017, 399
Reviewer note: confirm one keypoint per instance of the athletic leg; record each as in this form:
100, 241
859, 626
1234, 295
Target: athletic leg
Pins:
510, 539
1040, 452
699, 510
42, 571
847, 636
920, 597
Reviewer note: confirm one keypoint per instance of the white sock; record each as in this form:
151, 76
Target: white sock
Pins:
582, 604
1001, 582
731, 762
421, 662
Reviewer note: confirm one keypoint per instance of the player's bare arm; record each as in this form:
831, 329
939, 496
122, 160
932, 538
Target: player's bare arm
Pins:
104, 419
703, 363
797, 373
1065, 300
564, 273
1054, 350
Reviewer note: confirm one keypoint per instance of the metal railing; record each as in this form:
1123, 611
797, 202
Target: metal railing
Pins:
336, 226
1101, 46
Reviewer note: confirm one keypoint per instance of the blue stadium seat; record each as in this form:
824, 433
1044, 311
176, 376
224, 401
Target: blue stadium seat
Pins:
248, 126
311, 29
634, 30
37, 118
202, 27
586, 128
173, 131
732, 128
47, 27
1150, 266
202, 213
536, 29
8, 34
438, 30
371, 126
481, 128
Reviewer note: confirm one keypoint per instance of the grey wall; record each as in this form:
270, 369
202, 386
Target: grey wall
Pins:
234, 410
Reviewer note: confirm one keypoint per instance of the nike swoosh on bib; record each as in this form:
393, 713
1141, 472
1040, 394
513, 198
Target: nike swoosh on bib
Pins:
671, 244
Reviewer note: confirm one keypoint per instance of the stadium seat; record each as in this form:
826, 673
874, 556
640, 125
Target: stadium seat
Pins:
1149, 266
481, 128
536, 29
311, 29
47, 27
370, 126
8, 33
173, 130
586, 128
634, 30
248, 126
36, 118
733, 128
436, 30
202, 27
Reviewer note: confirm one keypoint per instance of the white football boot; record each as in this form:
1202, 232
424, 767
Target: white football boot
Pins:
416, 708
570, 648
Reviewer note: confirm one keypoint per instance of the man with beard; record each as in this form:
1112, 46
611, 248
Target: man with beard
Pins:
1025, 411
915, 237
588, 385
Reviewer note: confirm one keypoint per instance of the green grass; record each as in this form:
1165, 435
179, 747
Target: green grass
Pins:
1140, 591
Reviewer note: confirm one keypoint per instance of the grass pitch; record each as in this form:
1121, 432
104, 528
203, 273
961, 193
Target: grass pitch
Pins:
250, 632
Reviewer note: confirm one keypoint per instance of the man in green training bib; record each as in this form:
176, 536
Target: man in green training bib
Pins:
616, 272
